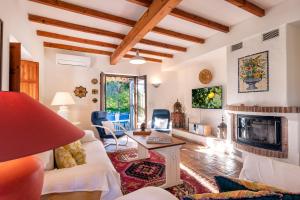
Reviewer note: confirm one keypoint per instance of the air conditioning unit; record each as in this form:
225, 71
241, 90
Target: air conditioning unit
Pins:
80, 61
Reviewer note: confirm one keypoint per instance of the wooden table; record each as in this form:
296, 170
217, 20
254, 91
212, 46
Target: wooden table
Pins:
171, 152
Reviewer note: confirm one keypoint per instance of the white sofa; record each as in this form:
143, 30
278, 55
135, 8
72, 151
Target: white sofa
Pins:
272, 172
97, 175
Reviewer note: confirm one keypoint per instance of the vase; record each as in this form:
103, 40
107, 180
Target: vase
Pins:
250, 81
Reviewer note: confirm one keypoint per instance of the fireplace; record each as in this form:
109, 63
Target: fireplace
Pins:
259, 131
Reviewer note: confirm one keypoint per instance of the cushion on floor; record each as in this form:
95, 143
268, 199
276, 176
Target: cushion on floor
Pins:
236, 195
226, 184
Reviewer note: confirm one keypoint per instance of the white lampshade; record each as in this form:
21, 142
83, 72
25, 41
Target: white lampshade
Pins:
137, 60
62, 99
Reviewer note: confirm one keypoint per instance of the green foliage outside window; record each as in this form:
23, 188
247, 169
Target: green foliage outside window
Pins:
117, 96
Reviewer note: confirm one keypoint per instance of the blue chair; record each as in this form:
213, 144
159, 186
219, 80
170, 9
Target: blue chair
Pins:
161, 114
97, 118
111, 116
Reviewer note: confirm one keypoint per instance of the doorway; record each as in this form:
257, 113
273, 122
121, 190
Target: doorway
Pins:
124, 98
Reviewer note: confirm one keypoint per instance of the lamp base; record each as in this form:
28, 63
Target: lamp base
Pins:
21, 179
63, 112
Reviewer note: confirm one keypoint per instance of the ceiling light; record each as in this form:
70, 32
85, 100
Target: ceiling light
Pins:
137, 60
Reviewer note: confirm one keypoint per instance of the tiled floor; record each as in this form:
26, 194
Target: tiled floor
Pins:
203, 161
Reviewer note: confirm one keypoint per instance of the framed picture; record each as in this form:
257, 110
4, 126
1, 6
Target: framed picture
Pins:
1, 48
254, 73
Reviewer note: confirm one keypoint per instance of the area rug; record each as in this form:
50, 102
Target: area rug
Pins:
150, 172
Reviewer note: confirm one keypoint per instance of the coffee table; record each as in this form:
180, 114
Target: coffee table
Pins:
171, 152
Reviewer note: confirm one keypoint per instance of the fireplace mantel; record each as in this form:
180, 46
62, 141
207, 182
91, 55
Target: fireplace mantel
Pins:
263, 109
291, 132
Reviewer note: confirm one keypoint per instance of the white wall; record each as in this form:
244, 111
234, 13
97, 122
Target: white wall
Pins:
66, 78
13, 14
293, 64
166, 94
178, 84
277, 94
188, 79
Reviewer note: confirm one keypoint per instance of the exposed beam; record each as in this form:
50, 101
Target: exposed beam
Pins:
248, 6
97, 31
88, 50
188, 17
113, 18
155, 13
97, 43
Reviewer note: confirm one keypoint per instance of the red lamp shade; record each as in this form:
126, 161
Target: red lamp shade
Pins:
27, 127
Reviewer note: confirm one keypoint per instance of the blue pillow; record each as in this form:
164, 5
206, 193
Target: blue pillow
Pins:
226, 184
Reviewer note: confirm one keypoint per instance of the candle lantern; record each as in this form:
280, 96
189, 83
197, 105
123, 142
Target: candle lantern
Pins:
222, 129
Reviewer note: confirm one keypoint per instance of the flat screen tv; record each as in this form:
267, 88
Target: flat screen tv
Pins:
207, 98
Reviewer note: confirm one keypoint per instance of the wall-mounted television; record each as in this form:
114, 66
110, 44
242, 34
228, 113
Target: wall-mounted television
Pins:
207, 98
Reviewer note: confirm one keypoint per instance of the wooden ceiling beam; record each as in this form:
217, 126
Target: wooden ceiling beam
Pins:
93, 51
113, 18
248, 6
97, 31
188, 17
97, 43
155, 13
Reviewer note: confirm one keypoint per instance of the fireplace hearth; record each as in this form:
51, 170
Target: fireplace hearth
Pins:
259, 131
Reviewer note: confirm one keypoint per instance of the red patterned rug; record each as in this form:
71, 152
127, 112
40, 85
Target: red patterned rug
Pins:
150, 172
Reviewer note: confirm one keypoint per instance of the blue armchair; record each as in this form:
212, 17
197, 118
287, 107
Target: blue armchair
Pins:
98, 118
161, 120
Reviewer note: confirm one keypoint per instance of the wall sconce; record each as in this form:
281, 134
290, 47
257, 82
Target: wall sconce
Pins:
156, 85
156, 82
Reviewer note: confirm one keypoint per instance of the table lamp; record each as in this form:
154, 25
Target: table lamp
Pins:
63, 100
26, 128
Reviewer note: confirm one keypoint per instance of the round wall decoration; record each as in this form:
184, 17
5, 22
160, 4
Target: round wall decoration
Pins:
205, 76
94, 81
95, 100
80, 92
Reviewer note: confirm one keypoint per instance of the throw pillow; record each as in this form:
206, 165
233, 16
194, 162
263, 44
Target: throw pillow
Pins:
47, 158
63, 158
226, 184
236, 195
160, 123
110, 126
88, 137
77, 152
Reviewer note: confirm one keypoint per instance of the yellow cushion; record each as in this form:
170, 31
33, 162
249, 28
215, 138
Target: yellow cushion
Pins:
77, 152
64, 158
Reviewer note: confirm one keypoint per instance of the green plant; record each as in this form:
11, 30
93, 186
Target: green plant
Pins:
117, 96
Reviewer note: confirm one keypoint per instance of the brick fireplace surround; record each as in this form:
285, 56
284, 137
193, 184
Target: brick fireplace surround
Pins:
290, 130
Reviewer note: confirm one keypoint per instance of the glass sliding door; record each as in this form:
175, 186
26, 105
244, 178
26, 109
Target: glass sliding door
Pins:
141, 100
124, 99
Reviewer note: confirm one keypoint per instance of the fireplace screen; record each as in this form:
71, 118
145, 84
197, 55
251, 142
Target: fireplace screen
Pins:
259, 131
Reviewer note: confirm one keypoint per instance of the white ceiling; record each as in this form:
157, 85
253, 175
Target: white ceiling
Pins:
217, 10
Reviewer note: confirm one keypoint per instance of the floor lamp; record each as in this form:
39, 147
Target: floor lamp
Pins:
27, 128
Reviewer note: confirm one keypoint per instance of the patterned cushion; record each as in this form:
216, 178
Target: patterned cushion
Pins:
64, 158
77, 152
226, 184
236, 195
